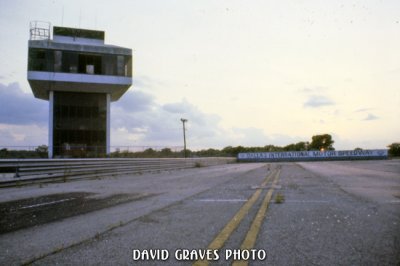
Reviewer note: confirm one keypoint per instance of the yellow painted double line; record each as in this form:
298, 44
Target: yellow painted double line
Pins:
251, 236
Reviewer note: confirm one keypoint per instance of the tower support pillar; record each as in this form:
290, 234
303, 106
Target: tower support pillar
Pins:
108, 98
51, 119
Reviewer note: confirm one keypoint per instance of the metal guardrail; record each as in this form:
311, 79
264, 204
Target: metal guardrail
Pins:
15, 172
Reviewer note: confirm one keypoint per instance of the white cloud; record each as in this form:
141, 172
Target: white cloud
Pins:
250, 136
364, 114
361, 110
135, 101
23, 135
316, 101
371, 117
315, 89
20, 108
144, 81
160, 124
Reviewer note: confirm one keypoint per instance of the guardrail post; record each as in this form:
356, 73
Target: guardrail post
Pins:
16, 172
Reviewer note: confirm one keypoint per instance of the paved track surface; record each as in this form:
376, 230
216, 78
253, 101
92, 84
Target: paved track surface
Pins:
333, 213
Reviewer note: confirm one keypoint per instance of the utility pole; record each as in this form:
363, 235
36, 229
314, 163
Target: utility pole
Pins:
184, 135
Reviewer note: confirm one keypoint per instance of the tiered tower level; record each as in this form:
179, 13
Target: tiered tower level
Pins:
79, 75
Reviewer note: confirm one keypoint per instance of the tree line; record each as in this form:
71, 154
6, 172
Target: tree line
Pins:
322, 142
318, 142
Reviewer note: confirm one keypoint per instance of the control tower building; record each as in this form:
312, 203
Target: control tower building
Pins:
79, 75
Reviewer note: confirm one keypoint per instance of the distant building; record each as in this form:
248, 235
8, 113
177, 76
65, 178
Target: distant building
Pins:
79, 75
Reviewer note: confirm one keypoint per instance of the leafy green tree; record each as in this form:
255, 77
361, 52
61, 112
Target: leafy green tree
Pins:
228, 151
4, 153
321, 142
290, 147
233, 151
189, 153
208, 153
394, 149
300, 146
166, 152
42, 150
272, 148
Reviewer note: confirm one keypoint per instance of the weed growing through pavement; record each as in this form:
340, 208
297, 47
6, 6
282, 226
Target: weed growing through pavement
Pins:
279, 198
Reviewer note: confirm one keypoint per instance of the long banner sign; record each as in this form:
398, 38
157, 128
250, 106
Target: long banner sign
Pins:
312, 155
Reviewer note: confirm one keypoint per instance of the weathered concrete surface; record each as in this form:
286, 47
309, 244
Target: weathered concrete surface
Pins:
164, 189
345, 213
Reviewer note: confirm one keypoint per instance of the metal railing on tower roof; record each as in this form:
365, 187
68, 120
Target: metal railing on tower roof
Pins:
40, 30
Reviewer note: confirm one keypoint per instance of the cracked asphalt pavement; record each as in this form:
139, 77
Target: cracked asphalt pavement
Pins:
329, 213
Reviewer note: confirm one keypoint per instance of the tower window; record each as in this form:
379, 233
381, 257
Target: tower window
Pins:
37, 60
89, 64
57, 61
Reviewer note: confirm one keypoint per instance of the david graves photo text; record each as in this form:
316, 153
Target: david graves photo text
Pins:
198, 254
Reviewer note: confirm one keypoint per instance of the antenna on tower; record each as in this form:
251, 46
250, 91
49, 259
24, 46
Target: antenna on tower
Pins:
80, 16
62, 17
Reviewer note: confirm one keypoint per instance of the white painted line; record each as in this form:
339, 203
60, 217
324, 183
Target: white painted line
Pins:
221, 200
46, 203
267, 187
393, 201
307, 201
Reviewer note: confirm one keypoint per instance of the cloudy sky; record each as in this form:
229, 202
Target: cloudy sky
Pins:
242, 72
